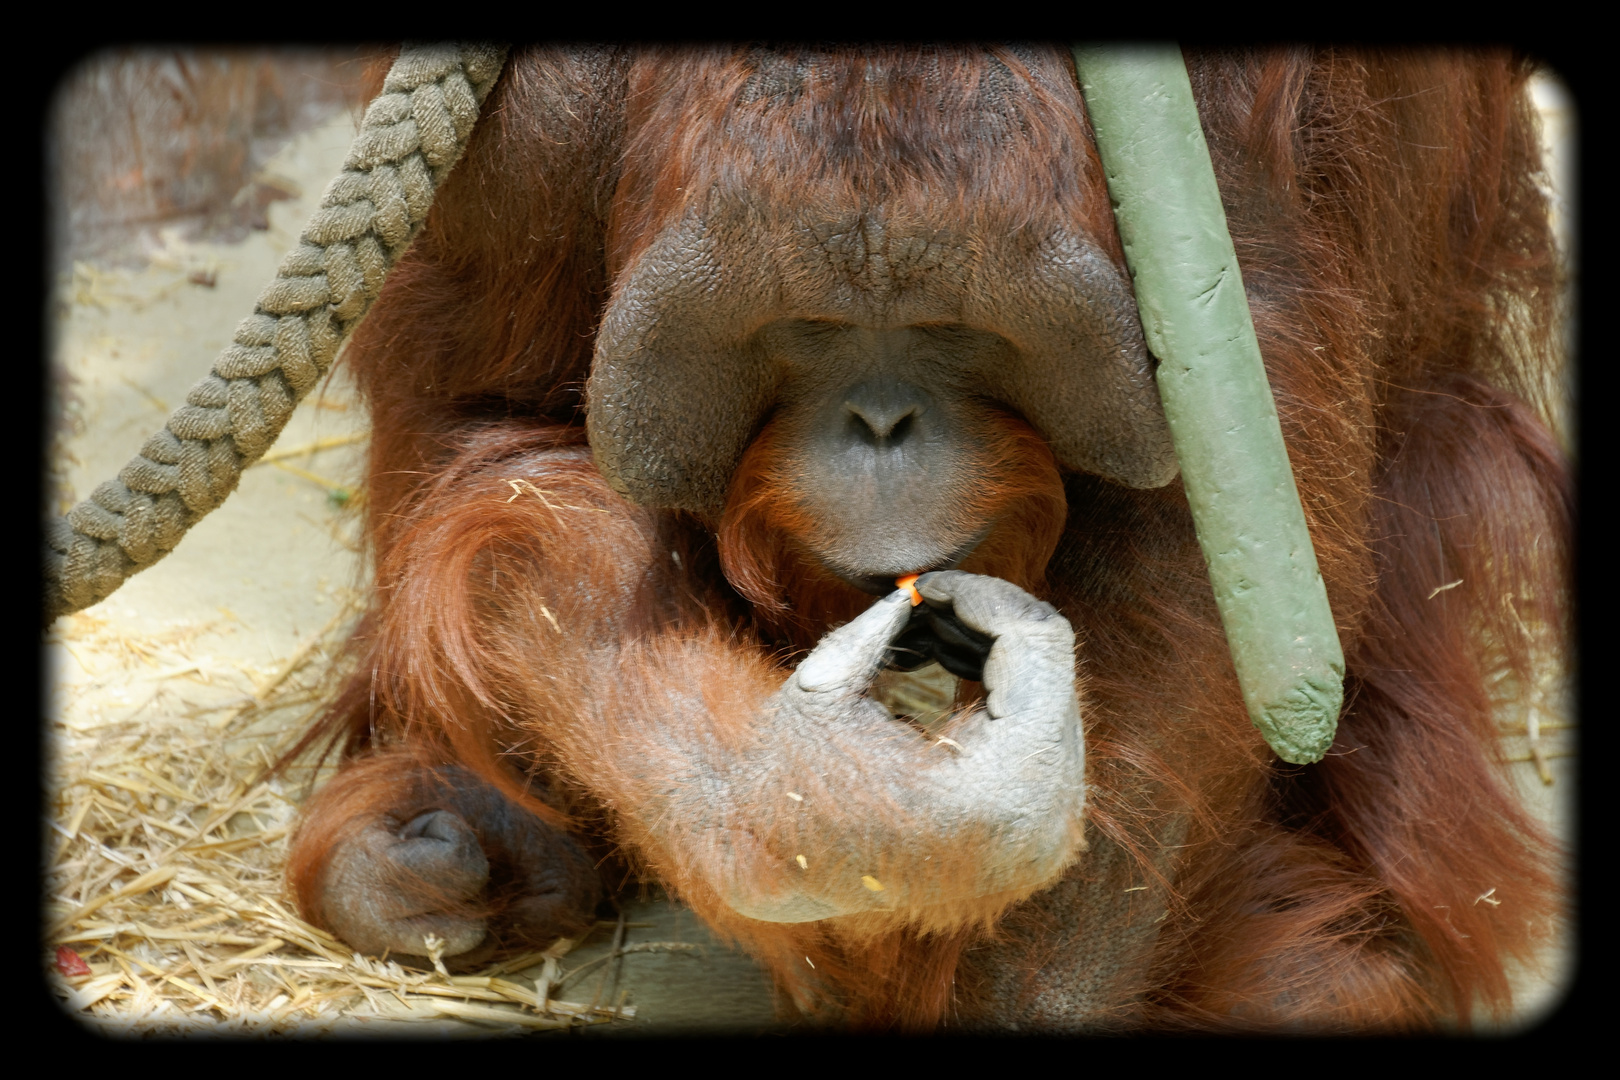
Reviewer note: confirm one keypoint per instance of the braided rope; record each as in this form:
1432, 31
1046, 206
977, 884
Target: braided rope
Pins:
412, 136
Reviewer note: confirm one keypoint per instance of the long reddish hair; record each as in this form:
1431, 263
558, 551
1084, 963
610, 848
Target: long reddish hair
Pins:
1405, 290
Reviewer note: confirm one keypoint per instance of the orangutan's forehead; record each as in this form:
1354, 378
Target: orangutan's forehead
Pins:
938, 125
781, 73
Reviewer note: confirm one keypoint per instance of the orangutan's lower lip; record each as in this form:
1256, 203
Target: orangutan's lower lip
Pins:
883, 584
876, 584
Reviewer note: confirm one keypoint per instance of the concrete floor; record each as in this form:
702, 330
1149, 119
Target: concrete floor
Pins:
680, 977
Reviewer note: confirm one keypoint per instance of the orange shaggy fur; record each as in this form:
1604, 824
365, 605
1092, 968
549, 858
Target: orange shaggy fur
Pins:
529, 623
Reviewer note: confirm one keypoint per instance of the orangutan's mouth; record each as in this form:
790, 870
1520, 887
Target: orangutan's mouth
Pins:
883, 584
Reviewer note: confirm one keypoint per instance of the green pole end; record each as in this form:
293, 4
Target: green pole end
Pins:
1217, 400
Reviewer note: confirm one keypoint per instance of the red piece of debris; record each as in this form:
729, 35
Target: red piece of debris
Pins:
70, 963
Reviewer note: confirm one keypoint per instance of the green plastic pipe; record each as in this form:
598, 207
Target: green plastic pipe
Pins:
1222, 418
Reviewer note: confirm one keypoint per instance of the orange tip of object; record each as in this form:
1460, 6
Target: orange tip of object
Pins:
908, 581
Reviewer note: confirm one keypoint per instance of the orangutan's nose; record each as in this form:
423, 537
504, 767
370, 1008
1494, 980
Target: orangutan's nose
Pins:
884, 413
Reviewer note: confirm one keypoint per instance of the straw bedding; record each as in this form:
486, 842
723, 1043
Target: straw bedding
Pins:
165, 908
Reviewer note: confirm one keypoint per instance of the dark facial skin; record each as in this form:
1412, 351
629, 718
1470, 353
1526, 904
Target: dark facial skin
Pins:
882, 433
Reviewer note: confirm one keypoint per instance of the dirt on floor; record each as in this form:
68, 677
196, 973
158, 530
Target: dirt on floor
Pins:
164, 905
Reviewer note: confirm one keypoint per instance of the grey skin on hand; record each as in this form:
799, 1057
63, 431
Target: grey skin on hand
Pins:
387, 888
1014, 790
1033, 645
